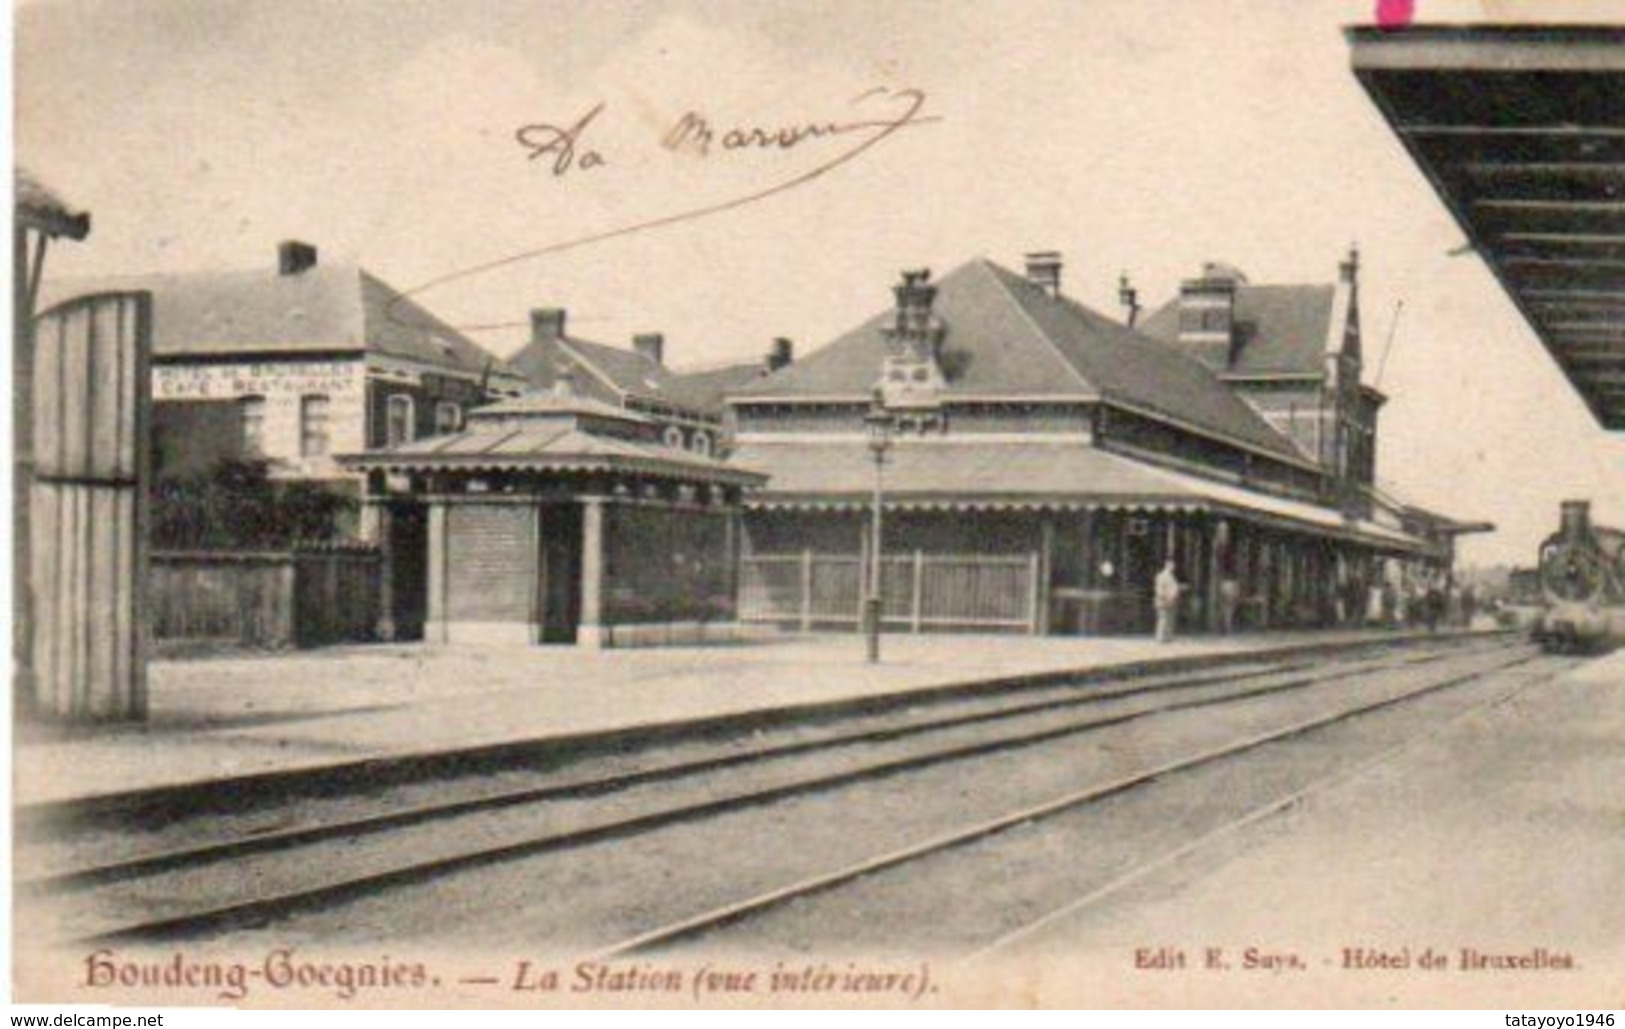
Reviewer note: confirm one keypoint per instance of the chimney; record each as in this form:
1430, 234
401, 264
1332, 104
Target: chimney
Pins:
294, 257
651, 345
1129, 298
1207, 306
1576, 522
914, 294
1044, 271
1348, 270
782, 353
546, 324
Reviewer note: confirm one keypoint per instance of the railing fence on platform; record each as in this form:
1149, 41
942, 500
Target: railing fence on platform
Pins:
919, 590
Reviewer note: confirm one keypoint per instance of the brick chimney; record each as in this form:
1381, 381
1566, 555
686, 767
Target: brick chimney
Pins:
1576, 519
1207, 306
546, 324
651, 345
911, 373
781, 354
294, 257
1044, 271
915, 295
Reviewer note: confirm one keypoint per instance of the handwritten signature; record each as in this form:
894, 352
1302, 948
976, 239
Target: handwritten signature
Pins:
564, 149
695, 133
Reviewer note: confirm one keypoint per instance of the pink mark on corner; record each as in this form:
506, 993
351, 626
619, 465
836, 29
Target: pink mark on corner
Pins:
1395, 14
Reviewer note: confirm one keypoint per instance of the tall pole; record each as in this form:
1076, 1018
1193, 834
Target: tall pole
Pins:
872, 604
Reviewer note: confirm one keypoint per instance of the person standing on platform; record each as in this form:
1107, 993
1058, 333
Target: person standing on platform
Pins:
1166, 596
1229, 604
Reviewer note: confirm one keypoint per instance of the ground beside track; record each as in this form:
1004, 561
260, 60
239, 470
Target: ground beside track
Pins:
1504, 834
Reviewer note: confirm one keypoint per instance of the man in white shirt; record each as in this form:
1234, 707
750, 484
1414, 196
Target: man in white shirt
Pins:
1166, 597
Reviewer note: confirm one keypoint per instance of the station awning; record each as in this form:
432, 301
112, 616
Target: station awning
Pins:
546, 448
1020, 475
1521, 130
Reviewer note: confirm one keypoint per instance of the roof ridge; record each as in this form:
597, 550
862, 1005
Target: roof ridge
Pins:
994, 270
597, 372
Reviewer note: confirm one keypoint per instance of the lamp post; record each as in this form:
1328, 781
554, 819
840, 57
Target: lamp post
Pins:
880, 424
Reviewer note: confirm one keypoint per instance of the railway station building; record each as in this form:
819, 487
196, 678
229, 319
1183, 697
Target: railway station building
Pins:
1041, 463
1044, 460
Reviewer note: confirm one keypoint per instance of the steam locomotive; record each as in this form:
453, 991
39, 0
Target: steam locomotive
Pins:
1582, 582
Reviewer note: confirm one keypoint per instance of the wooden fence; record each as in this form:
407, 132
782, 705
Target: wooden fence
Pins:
302, 598
919, 590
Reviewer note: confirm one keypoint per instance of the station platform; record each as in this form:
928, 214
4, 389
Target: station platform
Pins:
224, 718
1478, 867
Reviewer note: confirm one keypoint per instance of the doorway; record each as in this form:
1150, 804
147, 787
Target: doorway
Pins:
558, 588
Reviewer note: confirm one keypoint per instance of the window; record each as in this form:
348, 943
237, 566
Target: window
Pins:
399, 426
448, 416
702, 443
252, 413
314, 412
673, 436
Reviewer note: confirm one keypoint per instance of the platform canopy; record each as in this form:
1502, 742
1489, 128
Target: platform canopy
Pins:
1521, 130
1029, 476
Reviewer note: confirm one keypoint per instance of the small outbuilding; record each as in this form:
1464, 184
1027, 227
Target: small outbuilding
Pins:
559, 518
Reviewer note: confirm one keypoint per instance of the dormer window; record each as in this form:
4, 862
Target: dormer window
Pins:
673, 437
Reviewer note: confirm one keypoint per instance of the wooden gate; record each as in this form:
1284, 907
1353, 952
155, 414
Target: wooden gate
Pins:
87, 535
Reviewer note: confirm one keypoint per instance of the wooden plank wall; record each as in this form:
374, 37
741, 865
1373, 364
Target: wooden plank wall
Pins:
265, 600
91, 388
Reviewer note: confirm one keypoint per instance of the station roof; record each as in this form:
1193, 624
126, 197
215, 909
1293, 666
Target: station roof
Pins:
1280, 330
547, 445
329, 308
1521, 130
1010, 475
1008, 339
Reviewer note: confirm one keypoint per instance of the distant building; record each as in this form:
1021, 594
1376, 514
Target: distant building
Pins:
688, 405
1068, 457
299, 362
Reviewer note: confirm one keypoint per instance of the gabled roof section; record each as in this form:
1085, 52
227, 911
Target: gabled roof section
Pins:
627, 370
325, 309
1009, 338
706, 389
992, 349
1280, 330
1140, 372
614, 373
400, 327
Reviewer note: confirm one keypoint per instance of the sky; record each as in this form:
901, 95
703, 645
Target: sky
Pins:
1146, 136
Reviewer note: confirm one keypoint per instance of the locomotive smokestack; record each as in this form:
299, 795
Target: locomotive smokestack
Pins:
1576, 519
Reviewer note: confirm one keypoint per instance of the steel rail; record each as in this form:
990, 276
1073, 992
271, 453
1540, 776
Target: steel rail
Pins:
262, 910
740, 911
206, 853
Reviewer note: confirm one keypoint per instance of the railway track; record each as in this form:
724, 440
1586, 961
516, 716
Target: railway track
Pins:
713, 928
158, 894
